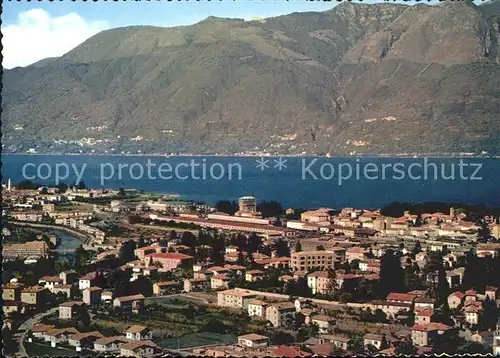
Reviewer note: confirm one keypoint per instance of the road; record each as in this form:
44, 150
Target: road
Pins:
27, 325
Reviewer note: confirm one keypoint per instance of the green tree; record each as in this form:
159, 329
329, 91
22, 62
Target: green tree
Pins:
345, 297
215, 326
391, 275
282, 249
127, 251
356, 344
298, 247
417, 248
241, 259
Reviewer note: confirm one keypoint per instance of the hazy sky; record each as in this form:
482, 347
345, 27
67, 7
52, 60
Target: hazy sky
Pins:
36, 30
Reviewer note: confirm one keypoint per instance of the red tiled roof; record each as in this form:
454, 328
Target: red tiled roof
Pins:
405, 297
458, 294
425, 313
130, 298
170, 255
286, 351
433, 326
470, 293
254, 272
71, 304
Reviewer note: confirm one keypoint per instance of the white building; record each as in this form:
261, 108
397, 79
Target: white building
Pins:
496, 340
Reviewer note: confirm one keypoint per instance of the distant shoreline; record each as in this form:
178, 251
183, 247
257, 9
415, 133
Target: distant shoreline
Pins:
380, 156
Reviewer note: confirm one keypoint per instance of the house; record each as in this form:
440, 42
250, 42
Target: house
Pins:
139, 349
59, 335
109, 344
196, 284
391, 309
341, 342
68, 310
169, 261
39, 329
139, 333
484, 250
87, 280
491, 292
421, 259
454, 277
472, 312
34, 295
323, 349
257, 308
12, 291
325, 323
166, 288
129, 303
424, 303
84, 340
470, 296
319, 281
92, 295
253, 340
287, 351
254, 275
68, 277
49, 282
375, 340
106, 296
234, 299
219, 282
141, 252
483, 338
423, 317
423, 335
455, 299
66, 290
10, 307
281, 314
400, 297
496, 340
357, 253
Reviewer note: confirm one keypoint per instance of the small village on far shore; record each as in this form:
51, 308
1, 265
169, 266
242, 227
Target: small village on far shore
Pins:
123, 272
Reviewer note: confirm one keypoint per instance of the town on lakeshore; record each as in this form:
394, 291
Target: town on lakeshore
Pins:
123, 272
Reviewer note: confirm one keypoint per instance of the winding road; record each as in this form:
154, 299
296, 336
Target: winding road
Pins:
27, 325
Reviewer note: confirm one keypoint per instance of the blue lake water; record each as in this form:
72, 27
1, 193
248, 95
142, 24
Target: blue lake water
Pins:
298, 182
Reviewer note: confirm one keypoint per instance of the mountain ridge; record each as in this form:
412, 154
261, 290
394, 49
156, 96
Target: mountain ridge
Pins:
367, 79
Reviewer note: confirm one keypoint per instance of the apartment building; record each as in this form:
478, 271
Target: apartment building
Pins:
318, 281
234, 299
307, 260
281, 314
169, 260
196, 284
257, 308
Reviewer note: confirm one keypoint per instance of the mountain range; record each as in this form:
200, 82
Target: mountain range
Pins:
366, 79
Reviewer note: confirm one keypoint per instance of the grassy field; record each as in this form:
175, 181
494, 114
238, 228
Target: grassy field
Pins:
174, 302
196, 340
41, 350
182, 318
